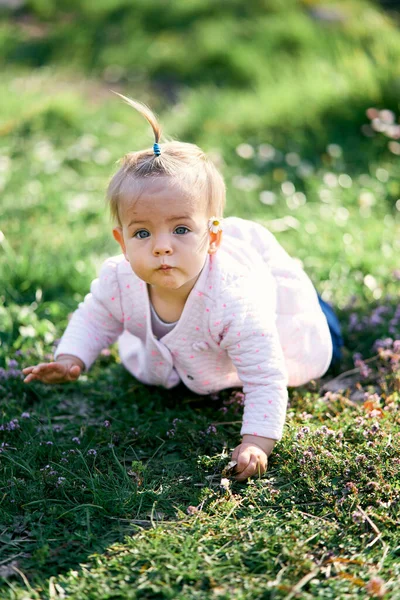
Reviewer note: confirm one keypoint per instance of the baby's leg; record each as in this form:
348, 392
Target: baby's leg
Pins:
335, 331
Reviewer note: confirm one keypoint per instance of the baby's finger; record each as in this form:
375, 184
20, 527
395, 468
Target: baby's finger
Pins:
249, 471
51, 366
41, 367
27, 370
29, 378
243, 461
74, 372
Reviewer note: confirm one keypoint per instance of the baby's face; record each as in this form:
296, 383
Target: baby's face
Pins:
164, 236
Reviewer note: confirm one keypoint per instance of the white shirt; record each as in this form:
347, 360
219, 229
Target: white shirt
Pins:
160, 327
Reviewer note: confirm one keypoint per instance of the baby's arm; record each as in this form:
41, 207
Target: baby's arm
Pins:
247, 331
97, 323
65, 369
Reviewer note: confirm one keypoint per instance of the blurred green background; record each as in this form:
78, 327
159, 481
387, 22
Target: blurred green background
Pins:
296, 101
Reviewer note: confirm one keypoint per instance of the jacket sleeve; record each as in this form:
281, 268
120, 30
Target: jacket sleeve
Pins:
98, 320
245, 328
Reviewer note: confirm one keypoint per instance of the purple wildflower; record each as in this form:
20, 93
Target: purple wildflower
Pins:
357, 517
375, 427
328, 454
25, 415
365, 371
106, 424
4, 374
331, 396
239, 397
92, 452
386, 343
211, 430
360, 458
308, 455
353, 322
76, 440
324, 431
305, 416
351, 487
372, 485
302, 432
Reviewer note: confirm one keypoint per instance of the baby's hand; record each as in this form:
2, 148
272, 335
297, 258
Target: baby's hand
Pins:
66, 369
251, 460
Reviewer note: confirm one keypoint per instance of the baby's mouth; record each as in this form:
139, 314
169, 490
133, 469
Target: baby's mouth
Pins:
165, 268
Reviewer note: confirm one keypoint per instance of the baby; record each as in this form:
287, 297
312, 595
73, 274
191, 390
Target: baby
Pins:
215, 305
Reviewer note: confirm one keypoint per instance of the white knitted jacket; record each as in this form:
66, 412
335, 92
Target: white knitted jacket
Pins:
252, 320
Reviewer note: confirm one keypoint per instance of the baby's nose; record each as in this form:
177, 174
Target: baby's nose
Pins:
162, 248
162, 251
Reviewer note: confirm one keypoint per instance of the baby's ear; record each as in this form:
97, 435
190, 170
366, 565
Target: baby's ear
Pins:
215, 242
119, 237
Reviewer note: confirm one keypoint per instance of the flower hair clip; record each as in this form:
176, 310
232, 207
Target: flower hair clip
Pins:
215, 225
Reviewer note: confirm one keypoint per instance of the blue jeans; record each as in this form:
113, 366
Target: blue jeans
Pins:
335, 331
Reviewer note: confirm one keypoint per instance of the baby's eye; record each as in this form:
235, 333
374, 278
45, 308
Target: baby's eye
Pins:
141, 234
181, 230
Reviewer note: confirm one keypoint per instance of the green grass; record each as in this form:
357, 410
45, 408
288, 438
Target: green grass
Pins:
96, 478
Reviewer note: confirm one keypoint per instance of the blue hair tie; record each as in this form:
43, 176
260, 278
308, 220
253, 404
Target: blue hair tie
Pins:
157, 149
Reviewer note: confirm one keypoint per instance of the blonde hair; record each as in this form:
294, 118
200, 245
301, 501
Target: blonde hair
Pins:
186, 164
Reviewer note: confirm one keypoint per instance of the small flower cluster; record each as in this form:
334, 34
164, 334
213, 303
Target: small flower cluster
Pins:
389, 352
172, 432
325, 431
365, 370
303, 431
322, 431
357, 517
374, 319
308, 456
235, 401
12, 372
51, 473
10, 426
